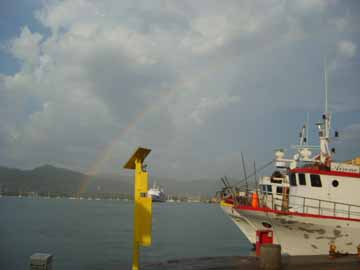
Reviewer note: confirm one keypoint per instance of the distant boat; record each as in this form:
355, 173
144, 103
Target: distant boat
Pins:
170, 199
157, 194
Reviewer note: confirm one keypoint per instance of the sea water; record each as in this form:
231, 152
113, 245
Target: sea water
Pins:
97, 234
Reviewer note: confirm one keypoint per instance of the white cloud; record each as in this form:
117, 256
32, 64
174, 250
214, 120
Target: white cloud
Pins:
311, 5
209, 105
26, 47
117, 74
341, 23
59, 15
346, 48
219, 25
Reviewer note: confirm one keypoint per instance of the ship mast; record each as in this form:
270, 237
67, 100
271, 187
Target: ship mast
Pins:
324, 126
326, 87
303, 149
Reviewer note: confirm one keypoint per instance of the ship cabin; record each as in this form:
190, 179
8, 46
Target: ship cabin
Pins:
331, 192
274, 190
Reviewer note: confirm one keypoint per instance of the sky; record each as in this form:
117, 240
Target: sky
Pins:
84, 83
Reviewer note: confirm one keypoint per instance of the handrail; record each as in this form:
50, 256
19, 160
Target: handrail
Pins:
297, 196
319, 206
306, 205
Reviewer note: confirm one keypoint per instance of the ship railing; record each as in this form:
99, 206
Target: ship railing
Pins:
316, 206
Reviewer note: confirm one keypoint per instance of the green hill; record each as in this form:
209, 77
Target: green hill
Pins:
48, 178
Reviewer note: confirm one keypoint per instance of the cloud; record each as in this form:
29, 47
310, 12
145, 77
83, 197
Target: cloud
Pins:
341, 23
26, 47
60, 15
186, 78
311, 5
346, 48
209, 105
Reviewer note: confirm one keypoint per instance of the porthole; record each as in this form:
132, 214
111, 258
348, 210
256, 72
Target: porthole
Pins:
335, 183
266, 225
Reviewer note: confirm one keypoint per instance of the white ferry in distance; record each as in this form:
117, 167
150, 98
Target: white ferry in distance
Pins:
311, 203
156, 193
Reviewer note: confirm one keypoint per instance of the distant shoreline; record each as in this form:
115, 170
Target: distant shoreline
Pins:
93, 196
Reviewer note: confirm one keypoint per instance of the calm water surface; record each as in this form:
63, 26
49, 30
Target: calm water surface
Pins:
83, 234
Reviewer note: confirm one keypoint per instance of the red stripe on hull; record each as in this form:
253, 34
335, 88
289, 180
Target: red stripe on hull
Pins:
316, 171
287, 213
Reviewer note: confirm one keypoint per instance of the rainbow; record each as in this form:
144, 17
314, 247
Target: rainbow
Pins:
105, 155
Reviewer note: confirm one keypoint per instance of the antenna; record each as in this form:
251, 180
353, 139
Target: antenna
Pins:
255, 178
324, 127
326, 86
307, 128
244, 168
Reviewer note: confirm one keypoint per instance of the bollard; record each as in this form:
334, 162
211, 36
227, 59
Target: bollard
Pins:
270, 257
41, 261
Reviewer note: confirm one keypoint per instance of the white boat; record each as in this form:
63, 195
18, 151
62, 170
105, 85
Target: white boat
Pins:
311, 202
156, 193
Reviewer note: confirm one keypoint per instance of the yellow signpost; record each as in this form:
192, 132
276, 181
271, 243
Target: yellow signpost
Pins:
142, 204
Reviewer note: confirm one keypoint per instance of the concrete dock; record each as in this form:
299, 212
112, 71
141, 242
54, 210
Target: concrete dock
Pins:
350, 262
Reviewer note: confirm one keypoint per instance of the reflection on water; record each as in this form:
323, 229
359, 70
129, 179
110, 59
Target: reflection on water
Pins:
84, 234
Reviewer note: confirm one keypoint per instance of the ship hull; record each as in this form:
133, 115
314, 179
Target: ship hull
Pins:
241, 222
300, 235
156, 194
157, 200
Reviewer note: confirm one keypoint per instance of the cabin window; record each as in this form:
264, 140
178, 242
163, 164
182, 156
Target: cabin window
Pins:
279, 190
335, 183
292, 179
276, 181
269, 189
276, 177
315, 180
263, 188
302, 180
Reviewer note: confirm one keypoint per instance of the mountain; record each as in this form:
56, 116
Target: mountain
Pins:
48, 178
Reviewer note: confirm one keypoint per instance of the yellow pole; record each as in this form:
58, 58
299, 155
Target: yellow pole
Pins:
142, 205
136, 256
137, 184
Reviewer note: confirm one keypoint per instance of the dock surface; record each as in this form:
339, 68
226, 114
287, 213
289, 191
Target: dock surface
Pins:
350, 262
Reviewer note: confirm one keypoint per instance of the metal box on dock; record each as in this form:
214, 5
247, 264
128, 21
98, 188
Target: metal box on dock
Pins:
41, 261
263, 237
